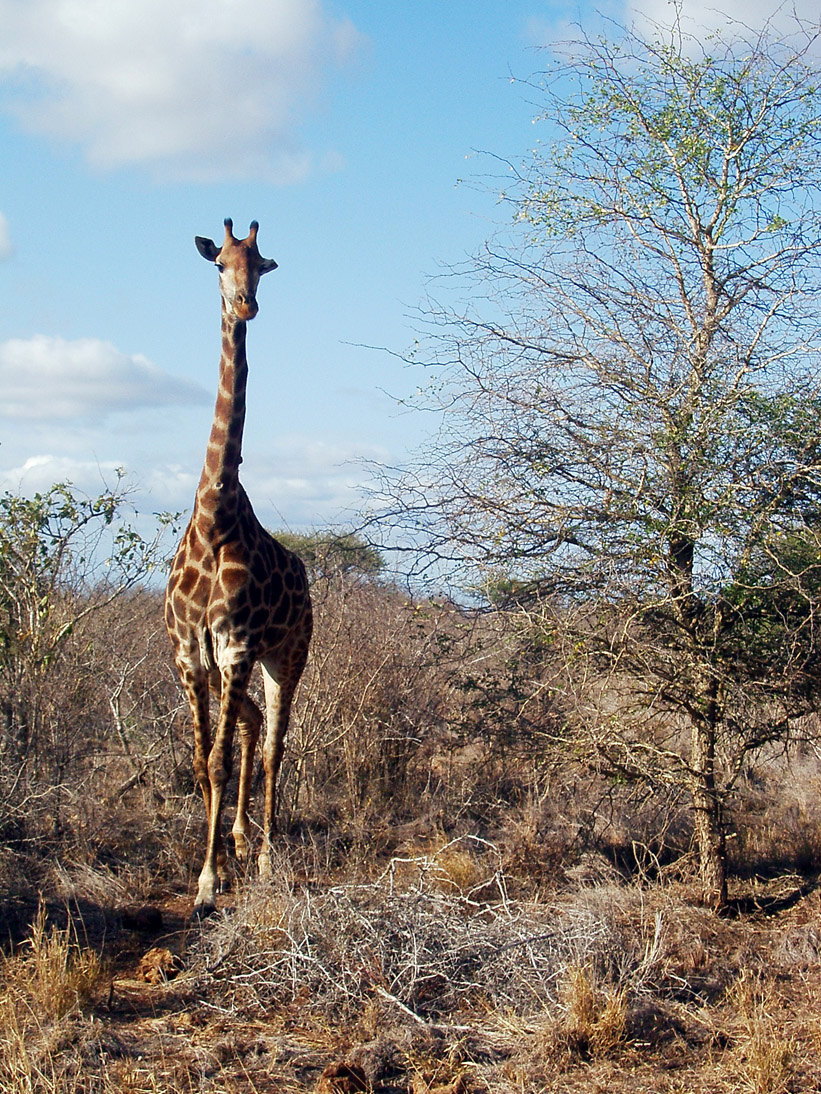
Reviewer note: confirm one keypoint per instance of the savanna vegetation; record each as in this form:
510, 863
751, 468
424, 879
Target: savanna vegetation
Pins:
558, 830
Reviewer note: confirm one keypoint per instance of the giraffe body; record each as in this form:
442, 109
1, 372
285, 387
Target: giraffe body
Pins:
235, 596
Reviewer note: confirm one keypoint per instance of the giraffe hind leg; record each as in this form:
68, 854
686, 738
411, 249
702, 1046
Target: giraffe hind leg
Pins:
249, 724
279, 693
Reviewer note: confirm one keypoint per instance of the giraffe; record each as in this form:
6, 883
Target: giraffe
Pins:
235, 595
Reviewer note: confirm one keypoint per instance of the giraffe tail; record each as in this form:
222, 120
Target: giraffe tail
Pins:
206, 644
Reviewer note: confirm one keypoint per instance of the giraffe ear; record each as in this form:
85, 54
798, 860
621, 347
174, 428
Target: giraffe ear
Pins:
266, 265
207, 248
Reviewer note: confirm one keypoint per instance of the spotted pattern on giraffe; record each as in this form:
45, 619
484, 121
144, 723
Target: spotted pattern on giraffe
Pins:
235, 596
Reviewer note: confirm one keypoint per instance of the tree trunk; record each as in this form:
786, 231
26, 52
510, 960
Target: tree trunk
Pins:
708, 826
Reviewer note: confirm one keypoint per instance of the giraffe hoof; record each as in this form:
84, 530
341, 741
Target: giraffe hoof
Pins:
203, 911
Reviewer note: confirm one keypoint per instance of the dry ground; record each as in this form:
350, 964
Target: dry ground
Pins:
464, 902
438, 973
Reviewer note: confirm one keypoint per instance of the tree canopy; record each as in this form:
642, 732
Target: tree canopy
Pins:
328, 552
630, 402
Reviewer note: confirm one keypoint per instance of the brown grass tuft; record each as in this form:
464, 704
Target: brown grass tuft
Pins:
595, 1019
53, 974
43, 989
763, 1053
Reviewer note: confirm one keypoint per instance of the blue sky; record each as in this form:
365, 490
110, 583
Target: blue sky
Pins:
343, 126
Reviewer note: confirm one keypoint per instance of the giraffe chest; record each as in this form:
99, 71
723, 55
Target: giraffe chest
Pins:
246, 601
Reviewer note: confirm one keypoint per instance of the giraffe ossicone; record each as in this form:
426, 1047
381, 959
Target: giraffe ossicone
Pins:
235, 597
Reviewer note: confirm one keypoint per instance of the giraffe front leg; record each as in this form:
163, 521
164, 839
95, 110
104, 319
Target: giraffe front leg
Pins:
215, 876
201, 756
214, 862
196, 689
249, 725
234, 681
195, 682
214, 870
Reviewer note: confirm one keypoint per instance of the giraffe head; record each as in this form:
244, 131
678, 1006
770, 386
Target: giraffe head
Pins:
240, 267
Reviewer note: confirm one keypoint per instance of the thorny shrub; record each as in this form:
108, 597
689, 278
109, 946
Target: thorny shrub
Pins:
412, 939
416, 722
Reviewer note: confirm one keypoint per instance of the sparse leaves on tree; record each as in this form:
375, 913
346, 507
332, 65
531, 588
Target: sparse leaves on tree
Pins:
630, 445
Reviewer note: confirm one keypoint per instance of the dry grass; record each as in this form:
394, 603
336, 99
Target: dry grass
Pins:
455, 909
595, 1018
44, 990
777, 814
54, 975
763, 1052
420, 984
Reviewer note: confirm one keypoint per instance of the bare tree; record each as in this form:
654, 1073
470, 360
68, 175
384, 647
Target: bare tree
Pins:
629, 440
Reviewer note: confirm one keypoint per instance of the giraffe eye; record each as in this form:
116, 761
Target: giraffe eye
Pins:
219, 266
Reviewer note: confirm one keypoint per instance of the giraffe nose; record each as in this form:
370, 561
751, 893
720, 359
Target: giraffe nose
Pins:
245, 305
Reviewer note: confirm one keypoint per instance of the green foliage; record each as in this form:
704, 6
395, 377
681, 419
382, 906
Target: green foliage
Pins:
62, 557
327, 552
660, 135
54, 544
772, 617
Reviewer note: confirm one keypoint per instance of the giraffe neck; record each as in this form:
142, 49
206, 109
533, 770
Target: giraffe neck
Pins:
220, 474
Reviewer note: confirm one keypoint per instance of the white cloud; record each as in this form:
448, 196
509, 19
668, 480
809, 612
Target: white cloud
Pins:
300, 481
712, 15
41, 472
6, 246
296, 481
46, 378
196, 89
